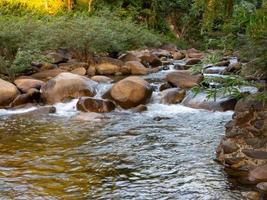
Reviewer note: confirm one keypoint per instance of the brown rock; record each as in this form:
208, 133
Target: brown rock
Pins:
234, 67
178, 55
88, 104
27, 83
262, 186
129, 57
102, 79
131, 92
91, 71
8, 92
172, 96
259, 174
67, 85
222, 63
70, 66
59, 56
32, 96
229, 146
79, 71
108, 66
195, 55
46, 75
165, 86
193, 61
140, 108
149, 59
251, 195
256, 154
47, 66
184, 79
137, 68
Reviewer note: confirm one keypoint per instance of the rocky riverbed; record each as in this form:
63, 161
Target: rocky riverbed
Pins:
138, 120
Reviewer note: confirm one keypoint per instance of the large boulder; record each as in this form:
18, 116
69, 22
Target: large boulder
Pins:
259, 174
102, 79
137, 68
184, 79
8, 92
129, 57
88, 104
201, 101
65, 86
131, 92
27, 83
72, 65
172, 96
150, 59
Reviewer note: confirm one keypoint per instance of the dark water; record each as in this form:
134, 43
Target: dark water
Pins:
127, 156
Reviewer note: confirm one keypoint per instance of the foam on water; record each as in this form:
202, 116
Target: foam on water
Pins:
66, 109
17, 111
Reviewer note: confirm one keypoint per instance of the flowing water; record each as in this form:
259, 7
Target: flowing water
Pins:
166, 152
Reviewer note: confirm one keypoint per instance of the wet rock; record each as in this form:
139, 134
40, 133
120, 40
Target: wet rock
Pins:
140, 108
137, 68
172, 96
181, 67
91, 71
200, 101
89, 117
65, 86
161, 53
8, 92
131, 92
184, 79
165, 86
102, 79
24, 84
195, 55
48, 74
259, 174
229, 147
234, 67
158, 118
214, 70
108, 66
193, 61
88, 104
255, 153
32, 96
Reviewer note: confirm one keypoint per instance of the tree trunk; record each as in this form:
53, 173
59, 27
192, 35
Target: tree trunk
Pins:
90, 5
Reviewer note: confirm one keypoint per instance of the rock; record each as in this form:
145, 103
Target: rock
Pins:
172, 96
251, 195
193, 50
229, 147
47, 66
48, 74
102, 79
195, 55
67, 85
32, 96
165, 86
161, 53
184, 79
178, 55
88, 104
200, 101
24, 84
137, 68
129, 57
79, 71
92, 117
259, 174
149, 59
262, 186
214, 70
8, 92
70, 66
193, 61
140, 108
234, 67
169, 47
131, 92
257, 154
108, 66
222, 63
59, 56
91, 71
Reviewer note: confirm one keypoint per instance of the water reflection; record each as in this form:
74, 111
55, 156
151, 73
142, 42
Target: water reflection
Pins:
128, 156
